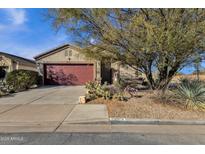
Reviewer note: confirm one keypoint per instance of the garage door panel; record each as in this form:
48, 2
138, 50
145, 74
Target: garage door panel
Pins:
71, 74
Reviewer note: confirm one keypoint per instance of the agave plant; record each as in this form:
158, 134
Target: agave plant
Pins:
192, 92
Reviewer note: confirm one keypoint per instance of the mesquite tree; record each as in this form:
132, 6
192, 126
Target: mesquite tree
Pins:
156, 42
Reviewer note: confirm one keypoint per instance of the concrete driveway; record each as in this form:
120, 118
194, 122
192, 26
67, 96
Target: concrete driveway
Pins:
46, 95
45, 109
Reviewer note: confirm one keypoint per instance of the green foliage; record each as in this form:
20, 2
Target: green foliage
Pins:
21, 79
120, 96
192, 93
120, 84
164, 39
96, 90
4, 89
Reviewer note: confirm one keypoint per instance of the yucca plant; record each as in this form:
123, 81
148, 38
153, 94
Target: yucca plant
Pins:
192, 93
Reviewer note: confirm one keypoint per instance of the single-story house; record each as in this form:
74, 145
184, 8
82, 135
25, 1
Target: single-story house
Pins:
67, 65
11, 62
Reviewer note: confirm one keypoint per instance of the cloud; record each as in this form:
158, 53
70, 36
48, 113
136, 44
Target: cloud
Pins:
16, 16
20, 37
13, 20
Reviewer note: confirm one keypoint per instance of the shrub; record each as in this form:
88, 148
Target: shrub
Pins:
96, 90
21, 79
4, 89
120, 84
92, 89
191, 92
120, 96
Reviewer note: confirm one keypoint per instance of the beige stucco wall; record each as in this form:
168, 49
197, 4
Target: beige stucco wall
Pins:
64, 56
26, 67
68, 55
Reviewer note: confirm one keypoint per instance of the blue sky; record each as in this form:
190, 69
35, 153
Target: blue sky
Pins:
26, 32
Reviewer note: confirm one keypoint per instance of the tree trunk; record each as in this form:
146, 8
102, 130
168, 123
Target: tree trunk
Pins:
166, 78
197, 72
150, 80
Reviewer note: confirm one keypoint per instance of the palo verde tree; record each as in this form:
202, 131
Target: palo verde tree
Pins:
156, 42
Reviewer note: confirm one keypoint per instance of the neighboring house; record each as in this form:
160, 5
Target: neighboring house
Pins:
11, 62
67, 65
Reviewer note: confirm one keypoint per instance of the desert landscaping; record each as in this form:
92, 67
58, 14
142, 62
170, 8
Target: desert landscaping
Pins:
139, 103
146, 106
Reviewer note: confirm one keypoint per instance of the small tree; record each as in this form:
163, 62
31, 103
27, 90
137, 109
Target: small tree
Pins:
156, 42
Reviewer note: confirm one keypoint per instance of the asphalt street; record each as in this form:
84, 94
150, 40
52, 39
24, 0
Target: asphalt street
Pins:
99, 139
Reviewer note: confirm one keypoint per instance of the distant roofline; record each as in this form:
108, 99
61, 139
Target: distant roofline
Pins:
53, 50
22, 58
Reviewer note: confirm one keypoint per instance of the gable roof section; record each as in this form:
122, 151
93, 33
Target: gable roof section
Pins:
17, 58
54, 50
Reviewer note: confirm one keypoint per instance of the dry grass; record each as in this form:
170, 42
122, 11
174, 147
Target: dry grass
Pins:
145, 106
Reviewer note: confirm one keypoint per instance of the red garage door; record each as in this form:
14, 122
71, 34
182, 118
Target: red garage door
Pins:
68, 74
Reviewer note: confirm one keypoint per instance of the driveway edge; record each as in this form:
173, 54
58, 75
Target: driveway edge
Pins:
155, 121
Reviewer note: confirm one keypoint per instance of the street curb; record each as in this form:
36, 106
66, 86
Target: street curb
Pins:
155, 121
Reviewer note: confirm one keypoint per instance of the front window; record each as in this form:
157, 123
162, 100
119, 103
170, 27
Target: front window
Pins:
70, 53
66, 53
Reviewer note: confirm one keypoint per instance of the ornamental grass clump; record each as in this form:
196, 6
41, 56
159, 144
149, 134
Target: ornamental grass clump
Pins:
192, 93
